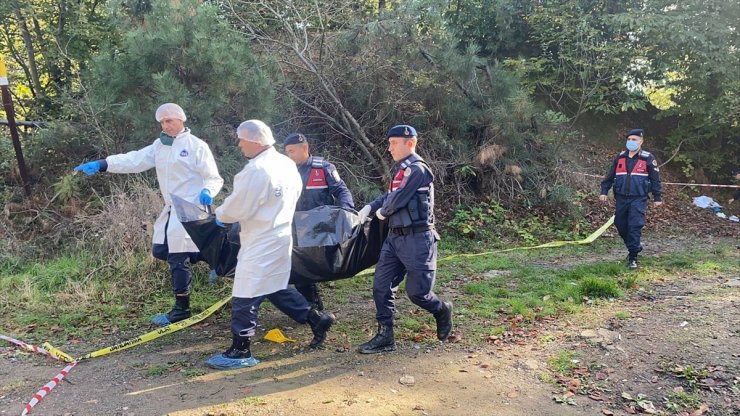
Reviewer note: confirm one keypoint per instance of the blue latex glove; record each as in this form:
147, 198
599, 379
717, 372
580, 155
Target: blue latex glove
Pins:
219, 223
90, 168
205, 197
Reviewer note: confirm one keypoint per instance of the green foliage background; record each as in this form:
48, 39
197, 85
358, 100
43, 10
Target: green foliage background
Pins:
497, 89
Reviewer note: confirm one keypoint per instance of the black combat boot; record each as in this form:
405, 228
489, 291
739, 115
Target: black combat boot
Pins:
320, 323
444, 321
382, 341
310, 291
239, 348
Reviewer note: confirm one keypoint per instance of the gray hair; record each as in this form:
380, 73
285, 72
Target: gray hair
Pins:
255, 131
170, 110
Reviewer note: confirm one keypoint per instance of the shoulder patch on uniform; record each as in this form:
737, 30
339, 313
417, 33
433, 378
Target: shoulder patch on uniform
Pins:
655, 163
644, 153
335, 175
407, 172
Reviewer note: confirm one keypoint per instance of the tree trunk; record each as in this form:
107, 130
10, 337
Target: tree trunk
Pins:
28, 42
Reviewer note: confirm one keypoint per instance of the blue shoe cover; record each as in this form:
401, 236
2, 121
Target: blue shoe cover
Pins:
220, 362
161, 319
212, 278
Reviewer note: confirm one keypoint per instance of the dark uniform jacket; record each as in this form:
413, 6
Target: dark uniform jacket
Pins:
322, 186
409, 202
633, 176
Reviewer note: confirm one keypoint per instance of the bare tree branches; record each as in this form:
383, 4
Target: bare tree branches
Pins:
303, 39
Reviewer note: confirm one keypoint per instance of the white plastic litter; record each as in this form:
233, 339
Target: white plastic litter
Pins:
705, 202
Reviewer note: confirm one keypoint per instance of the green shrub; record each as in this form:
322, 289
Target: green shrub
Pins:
596, 287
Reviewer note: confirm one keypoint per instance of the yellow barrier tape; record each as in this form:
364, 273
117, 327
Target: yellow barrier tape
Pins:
159, 332
275, 335
58, 354
590, 239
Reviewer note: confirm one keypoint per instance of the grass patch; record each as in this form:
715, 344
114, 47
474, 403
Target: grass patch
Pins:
622, 315
194, 372
534, 292
597, 287
158, 370
679, 400
411, 324
563, 363
253, 401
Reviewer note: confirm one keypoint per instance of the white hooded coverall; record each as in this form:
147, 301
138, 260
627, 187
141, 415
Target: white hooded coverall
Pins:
263, 202
183, 169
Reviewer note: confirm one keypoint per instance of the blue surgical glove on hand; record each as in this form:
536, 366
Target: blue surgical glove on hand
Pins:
90, 168
205, 197
219, 223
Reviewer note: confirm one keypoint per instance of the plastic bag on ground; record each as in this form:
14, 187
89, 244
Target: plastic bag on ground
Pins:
705, 202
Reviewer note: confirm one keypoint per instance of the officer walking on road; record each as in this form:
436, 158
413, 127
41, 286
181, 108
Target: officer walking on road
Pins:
410, 250
321, 186
634, 173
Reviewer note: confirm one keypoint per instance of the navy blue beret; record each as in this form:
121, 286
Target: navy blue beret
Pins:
294, 138
401, 130
635, 132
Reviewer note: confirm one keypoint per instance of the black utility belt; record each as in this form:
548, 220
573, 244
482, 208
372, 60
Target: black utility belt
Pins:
412, 230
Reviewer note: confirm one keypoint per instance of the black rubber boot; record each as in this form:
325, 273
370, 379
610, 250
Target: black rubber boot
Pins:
444, 321
181, 310
320, 323
239, 348
310, 291
383, 341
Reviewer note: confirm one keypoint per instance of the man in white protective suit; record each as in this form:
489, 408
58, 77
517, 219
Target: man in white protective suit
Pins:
263, 203
185, 167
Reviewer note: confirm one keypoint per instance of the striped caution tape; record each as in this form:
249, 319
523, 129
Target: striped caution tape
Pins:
47, 388
704, 185
34, 348
56, 353
158, 332
588, 240
51, 351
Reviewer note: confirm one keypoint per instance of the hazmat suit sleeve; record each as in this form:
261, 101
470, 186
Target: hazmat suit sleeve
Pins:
251, 191
209, 172
132, 162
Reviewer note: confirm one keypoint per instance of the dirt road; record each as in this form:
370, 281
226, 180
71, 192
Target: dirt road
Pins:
673, 343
